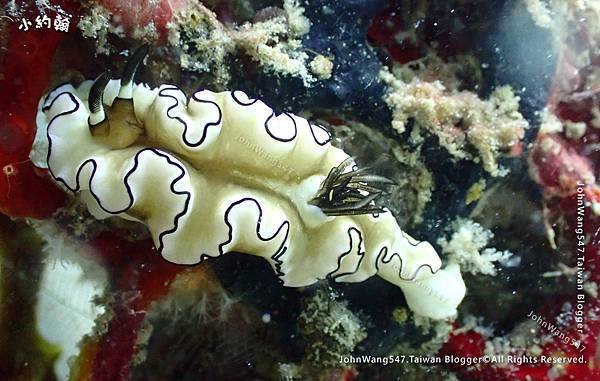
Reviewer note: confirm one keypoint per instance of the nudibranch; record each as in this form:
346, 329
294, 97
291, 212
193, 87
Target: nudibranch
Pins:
222, 172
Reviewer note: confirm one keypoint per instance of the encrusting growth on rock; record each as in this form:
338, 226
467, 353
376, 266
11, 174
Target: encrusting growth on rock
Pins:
466, 126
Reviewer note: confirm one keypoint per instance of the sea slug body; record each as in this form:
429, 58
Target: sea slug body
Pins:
222, 172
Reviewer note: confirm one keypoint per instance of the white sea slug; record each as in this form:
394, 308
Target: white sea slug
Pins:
221, 172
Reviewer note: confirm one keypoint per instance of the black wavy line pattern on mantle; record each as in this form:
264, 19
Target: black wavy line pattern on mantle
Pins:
311, 126
278, 138
341, 257
47, 107
125, 179
185, 126
280, 250
236, 99
275, 257
383, 252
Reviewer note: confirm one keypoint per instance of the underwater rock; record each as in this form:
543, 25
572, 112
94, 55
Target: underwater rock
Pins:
199, 331
541, 352
526, 64
24, 190
144, 18
329, 329
563, 165
437, 45
137, 278
161, 317
338, 31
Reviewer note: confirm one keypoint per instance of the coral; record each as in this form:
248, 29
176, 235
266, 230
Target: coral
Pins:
62, 246
574, 130
65, 309
527, 65
551, 337
24, 354
205, 44
197, 296
467, 245
461, 121
475, 191
427, 335
493, 53
202, 41
145, 19
330, 329
197, 330
289, 372
461, 72
96, 25
275, 43
280, 42
563, 164
338, 33
444, 47
565, 153
558, 166
321, 66
540, 13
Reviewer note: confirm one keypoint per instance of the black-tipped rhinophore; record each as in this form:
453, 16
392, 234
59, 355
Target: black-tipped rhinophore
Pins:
97, 93
349, 193
133, 64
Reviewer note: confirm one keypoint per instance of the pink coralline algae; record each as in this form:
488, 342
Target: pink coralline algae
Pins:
136, 14
24, 190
